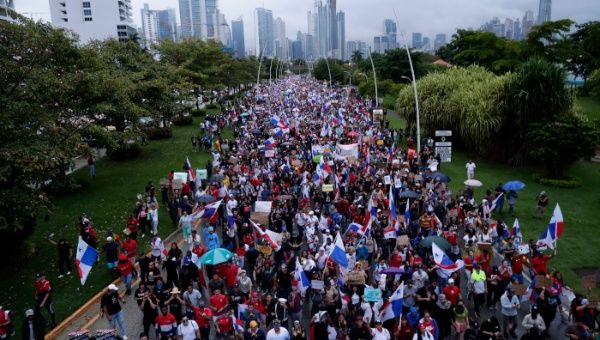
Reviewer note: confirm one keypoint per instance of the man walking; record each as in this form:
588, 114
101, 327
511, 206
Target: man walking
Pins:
112, 309
510, 307
43, 294
470, 166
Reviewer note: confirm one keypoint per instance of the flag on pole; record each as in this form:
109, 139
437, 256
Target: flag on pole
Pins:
208, 211
190, 171
303, 282
553, 232
230, 218
392, 308
270, 143
497, 201
84, 259
407, 214
390, 232
392, 207
274, 239
515, 232
338, 251
443, 262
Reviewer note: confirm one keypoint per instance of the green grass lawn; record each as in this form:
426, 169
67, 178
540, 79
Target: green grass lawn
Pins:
589, 106
107, 201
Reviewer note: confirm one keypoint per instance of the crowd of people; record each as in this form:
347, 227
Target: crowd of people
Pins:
346, 248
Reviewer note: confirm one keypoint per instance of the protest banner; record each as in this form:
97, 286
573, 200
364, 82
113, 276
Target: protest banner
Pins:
485, 246
372, 295
260, 217
270, 153
355, 278
182, 176
263, 206
177, 184
202, 173
520, 289
317, 284
387, 180
327, 188
347, 150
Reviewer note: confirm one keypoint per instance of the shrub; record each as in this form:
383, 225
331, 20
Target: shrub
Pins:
180, 120
155, 133
212, 106
566, 183
124, 151
198, 112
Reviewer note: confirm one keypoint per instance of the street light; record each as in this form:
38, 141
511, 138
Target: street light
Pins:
259, 65
350, 77
270, 71
414, 83
374, 79
328, 70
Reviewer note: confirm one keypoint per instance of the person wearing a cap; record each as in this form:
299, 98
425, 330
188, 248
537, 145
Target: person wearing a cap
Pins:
203, 316
277, 332
34, 327
452, 292
380, 333
534, 320
253, 332
211, 238
298, 331
43, 297
111, 308
111, 249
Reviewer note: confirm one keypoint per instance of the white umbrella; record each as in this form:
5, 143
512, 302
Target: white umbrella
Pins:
473, 183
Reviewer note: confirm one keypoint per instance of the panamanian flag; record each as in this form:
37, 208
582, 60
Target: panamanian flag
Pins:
84, 260
553, 232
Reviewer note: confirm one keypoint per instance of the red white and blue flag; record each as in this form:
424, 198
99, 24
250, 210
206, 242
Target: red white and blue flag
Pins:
303, 282
84, 260
553, 232
338, 252
271, 143
515, 232
208, 211
392, 308
273, 239
407, 214
359, 229
443, 262
190, 171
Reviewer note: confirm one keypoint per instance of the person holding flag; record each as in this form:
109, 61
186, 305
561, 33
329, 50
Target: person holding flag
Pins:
551, 234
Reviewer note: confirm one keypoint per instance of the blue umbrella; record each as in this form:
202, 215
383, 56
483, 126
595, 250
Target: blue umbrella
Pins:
409, 194
440, 177
513, 185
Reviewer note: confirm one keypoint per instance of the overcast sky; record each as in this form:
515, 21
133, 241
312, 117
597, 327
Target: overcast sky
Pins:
364, 17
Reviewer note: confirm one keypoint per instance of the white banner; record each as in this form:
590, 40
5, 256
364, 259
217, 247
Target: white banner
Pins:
347, 150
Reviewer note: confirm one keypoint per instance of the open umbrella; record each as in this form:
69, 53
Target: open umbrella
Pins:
216, 256
440, 241
513, 185
473, 183
409, 194
206, 198
440, 177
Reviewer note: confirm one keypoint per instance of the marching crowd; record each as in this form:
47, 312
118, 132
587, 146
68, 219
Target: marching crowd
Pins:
361, 238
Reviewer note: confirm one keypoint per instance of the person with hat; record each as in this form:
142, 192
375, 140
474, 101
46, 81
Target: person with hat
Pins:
253, 332
277, 332
203, 316
281, 312
211, 238
175, 303
380, 333
34, 327
534, 320
111, 308
298, 331
43, 297
111, 249
165, 324
542, 203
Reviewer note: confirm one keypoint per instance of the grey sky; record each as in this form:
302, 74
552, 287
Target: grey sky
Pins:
364, 17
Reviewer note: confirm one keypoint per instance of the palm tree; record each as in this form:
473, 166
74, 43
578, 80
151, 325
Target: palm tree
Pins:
356, 57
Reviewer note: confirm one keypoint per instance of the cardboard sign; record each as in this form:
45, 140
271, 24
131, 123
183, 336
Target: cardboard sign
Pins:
398, 183
177, 184
263, 206
524, 249
202, 174
372, 295
327, 188
520, 289
543, 281
317, 284
485, 246
402, 240
260, 218
593, 302
387, 180
355, 278
588, 282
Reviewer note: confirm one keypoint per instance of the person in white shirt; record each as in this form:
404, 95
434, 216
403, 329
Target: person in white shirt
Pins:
278, 332
380, 333
188, 329
470, 166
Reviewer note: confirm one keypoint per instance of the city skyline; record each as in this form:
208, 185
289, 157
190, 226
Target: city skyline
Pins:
364, 20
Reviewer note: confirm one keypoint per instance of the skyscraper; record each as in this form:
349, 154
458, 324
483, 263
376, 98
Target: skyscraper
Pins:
544, 11
527, 23
6, 8
201, 19
237, 35
440, 40
264, 32
517, 29
279, 39
94, 19
223, 31
209, 20
341, 38
390, 30
158, 25
324, 23
417, 40
509, 25
190, 17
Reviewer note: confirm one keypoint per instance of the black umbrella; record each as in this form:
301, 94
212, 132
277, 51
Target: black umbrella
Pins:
440, 177
409, 194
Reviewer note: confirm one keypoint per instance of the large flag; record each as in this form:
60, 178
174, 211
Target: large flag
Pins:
190, 171
303, 282
390, 232
338, 251
553, 232
443, 262
208, 211
371, 213
324, 169
270, 143
392, 207
84, 259
274, 239
230, 218
392, 308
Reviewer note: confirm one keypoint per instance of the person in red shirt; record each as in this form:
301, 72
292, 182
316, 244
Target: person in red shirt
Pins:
517, 268
166, 324
452, 292
126, 270
130, 248
202, 316
225, 325
540, 262
218, 302
43, 292
5, 324
484, 259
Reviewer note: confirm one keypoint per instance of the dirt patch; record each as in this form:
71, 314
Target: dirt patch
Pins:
588, 273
